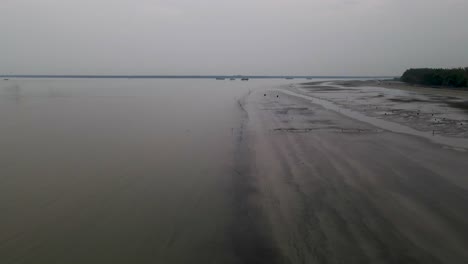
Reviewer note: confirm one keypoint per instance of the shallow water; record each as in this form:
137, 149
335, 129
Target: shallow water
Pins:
98, 171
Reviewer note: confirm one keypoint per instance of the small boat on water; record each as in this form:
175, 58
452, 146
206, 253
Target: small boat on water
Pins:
244, 79
219, 78
289, 78
6, 79
232, 79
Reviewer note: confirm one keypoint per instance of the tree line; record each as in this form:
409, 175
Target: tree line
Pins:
457, 77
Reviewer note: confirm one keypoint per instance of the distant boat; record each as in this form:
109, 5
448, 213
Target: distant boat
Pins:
244, 79
220, 78
5, 79
232, 79
289, 78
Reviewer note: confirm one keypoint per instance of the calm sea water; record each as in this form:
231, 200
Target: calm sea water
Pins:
118, 171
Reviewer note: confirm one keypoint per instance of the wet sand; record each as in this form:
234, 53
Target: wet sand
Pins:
443, 93
205, 171
442, 112
337, 190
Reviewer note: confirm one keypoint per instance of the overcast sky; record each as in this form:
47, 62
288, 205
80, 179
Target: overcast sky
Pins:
317, 37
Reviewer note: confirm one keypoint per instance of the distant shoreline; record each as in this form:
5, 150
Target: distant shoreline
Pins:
193, 76
462, 93
398, 85
457, 77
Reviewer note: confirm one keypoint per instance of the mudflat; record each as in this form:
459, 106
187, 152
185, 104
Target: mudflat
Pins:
337, 190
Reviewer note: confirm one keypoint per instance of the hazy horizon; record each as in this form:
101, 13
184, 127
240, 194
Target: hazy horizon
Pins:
347, 37
204, 76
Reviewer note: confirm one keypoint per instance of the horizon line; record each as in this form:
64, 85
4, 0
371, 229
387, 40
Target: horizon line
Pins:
169, 76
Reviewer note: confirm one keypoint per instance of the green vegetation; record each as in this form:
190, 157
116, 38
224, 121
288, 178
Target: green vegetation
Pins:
437, 77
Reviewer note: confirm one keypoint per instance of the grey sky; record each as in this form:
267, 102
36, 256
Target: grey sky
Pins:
333, 37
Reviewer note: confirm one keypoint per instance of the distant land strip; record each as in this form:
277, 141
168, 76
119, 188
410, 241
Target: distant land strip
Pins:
194, 76
456, 78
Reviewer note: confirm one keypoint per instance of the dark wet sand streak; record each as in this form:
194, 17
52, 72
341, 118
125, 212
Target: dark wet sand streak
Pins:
251, 234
